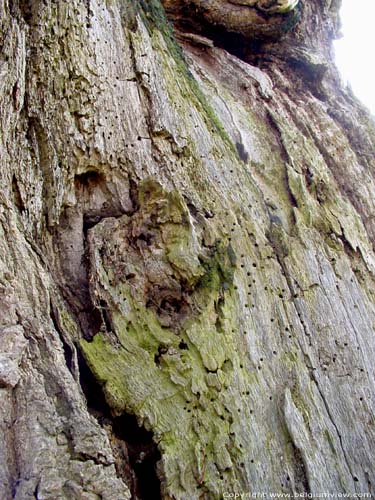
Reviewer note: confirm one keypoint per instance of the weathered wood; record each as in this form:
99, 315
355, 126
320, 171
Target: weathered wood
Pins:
186, 252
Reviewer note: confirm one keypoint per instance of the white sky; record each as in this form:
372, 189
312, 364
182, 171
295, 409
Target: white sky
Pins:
355, 51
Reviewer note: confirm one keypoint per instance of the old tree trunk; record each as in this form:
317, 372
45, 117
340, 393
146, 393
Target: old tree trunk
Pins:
187, 253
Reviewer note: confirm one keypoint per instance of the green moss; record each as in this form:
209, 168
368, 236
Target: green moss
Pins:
286, 7
163, 394
179, 378
290, 358
219, 269
154, 18
143, 371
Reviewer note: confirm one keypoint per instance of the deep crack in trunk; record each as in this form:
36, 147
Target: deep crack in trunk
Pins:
135, 451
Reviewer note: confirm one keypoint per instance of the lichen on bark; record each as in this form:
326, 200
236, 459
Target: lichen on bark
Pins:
186, 253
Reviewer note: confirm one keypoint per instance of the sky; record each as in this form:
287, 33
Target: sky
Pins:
354, 52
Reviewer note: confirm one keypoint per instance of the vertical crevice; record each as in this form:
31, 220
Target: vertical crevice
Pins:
94, 202
143, 456
300, 474
17, 197
44, 153
74, 265
69, 350
135, 451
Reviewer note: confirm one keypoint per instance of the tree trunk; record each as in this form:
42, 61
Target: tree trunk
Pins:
187, 253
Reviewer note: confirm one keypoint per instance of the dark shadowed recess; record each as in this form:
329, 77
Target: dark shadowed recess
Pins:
235, 43
135, 451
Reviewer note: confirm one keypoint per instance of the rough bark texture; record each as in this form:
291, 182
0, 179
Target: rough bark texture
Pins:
187, 253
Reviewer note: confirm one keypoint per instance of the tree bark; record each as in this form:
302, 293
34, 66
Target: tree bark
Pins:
187, 253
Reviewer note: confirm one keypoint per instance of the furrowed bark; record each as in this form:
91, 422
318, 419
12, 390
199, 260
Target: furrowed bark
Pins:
187, 254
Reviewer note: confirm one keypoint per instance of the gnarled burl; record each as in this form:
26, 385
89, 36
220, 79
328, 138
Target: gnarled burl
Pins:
186, 253
255, 19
